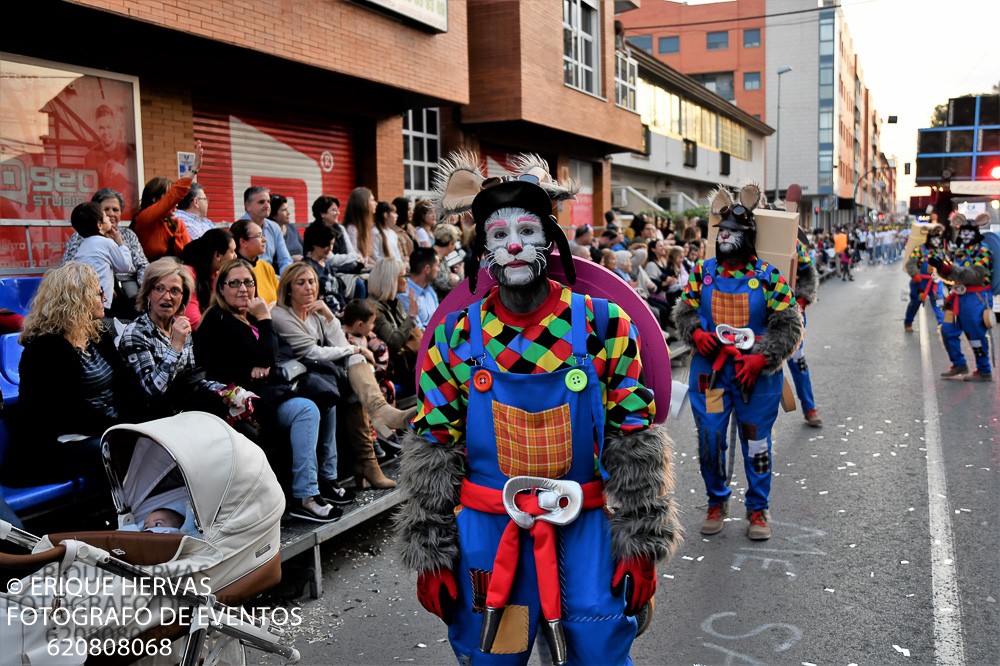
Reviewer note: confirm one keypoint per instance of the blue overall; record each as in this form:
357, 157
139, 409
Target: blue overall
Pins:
754, 418
917, 290
799, 369
593, 618
971, 307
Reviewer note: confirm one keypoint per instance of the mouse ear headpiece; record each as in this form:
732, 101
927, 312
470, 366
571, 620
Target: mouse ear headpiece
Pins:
751, 196
958, 220
459, 179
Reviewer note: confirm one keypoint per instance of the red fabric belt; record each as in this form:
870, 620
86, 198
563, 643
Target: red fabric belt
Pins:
953, 299
488, 500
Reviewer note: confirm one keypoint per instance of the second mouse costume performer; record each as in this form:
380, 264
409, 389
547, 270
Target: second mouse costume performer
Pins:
756, 310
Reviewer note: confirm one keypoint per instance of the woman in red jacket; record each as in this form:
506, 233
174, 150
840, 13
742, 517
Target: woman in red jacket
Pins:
160, 233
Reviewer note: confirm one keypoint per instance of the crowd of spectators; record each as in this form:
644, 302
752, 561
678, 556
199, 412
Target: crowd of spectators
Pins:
320, 321
173, 312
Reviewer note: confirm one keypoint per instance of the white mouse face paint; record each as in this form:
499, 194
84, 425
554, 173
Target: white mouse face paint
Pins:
967, 236
515, 246
729, 241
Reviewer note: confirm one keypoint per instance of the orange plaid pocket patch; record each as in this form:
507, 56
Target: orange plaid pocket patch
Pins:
533, 443
731, 309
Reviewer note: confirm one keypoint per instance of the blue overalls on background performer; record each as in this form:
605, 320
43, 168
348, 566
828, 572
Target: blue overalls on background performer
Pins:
738, 290
923, 287
806, 289
968, 308
530, 365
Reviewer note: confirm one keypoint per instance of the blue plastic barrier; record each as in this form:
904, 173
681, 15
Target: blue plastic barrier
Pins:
16, 293
10, 359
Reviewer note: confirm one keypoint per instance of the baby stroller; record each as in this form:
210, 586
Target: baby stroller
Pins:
124, 596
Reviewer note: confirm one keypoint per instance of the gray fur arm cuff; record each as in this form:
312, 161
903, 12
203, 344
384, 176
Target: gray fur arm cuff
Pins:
784, 332
807, 283
968, 275
644, 519
686, 320
911, 267
430, 477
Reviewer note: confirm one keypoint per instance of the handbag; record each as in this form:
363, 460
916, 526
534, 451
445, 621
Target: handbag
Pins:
315, 384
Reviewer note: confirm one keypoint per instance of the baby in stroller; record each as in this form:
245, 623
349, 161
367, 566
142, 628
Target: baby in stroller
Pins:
199, 514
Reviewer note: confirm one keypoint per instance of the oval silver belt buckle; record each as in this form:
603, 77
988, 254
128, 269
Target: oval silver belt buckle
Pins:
561, 499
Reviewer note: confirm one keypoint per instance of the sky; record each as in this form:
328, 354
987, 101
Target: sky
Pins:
916, 54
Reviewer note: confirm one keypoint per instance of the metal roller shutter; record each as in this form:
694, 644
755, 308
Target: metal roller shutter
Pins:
300, 157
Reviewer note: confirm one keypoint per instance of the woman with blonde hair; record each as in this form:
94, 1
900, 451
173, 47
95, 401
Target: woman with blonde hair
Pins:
73, 381
314, 336
394, 323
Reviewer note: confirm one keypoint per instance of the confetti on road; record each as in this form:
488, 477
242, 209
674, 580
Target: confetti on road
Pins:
904, 561
901, 650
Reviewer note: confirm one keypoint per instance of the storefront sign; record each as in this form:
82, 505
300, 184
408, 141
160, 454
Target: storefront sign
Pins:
65, 132
431, 13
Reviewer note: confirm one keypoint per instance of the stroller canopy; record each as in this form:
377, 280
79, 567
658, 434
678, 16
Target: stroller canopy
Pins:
197, 458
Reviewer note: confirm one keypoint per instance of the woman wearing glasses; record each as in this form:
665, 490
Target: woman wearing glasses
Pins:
159, 349
73, 381
237, 344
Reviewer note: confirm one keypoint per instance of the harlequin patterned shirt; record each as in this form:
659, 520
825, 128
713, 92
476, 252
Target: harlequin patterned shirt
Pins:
535, 342
802, 256
979, 255
778, 293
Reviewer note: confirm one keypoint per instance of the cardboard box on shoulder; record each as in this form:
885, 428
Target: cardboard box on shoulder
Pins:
777, 233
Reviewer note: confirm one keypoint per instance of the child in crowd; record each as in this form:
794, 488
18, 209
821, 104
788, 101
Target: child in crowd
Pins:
358, 322
102, 248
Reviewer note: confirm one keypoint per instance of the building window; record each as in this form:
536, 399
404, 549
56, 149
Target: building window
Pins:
718, 41
644, 42
723, 163
751, 80
669, 44
581, 45
626, 78
721, 83
751, 38
690, 153
421, 141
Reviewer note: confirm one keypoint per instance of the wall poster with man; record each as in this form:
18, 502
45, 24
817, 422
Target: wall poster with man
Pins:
65, 132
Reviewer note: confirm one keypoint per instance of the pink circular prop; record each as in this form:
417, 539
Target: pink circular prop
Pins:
598, 282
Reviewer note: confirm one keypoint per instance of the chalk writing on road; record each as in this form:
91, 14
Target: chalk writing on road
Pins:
799, 538
787, 636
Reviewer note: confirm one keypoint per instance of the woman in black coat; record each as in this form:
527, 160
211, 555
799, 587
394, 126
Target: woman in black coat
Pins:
73, 382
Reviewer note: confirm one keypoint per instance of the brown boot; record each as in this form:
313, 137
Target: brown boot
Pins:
359, 434
384, 417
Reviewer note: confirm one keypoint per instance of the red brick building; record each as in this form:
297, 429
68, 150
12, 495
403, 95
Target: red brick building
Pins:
720, 45
307, 97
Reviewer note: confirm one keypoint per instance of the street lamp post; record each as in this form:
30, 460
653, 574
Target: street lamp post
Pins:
777, 136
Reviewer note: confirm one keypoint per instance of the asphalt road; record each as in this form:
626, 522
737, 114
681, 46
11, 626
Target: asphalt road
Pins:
886, 546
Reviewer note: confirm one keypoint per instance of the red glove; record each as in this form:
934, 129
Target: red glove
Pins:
802, 302
748, 367
707, 343
636, 576
437, 593
916, 278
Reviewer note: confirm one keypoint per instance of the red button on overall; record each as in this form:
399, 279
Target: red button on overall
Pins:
482, 380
